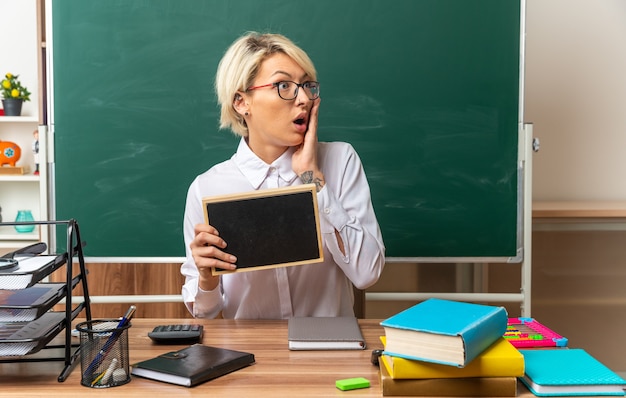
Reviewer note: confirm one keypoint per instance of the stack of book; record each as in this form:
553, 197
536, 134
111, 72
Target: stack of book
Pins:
449, 348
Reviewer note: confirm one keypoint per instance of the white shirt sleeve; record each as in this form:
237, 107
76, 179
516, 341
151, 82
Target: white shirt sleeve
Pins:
201, 304
345, 205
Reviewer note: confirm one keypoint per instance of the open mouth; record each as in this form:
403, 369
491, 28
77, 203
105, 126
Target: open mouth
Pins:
301, 119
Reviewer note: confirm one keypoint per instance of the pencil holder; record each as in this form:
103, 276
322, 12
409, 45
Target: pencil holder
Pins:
103, 353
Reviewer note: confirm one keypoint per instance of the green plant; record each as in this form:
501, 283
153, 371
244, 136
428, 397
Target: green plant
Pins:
12, 88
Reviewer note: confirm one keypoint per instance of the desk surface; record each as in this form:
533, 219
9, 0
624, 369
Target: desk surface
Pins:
277, 372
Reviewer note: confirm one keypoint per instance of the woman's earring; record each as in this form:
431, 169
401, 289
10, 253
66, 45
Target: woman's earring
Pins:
246, 113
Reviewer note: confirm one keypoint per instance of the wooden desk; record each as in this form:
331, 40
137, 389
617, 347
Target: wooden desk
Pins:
277, 372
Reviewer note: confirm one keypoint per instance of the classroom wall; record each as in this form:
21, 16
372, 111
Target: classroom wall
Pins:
575, 95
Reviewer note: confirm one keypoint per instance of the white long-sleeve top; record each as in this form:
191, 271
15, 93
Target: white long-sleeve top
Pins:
316, 290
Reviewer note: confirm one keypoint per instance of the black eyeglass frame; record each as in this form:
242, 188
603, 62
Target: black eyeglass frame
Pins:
296, 91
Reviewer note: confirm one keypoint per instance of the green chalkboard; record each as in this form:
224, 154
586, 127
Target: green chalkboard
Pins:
427, 91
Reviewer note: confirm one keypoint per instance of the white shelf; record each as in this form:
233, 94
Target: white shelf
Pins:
25, 191
8, 233
20, 177
22, 191
19, 119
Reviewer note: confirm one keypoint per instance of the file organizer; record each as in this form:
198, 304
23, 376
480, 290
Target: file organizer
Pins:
18, 338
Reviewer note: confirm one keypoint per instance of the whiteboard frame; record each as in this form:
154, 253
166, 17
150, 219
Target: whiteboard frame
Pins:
524, 224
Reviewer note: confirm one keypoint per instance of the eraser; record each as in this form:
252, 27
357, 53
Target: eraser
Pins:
119, 375
352, 384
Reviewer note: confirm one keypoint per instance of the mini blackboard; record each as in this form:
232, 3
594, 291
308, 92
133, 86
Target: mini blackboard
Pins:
268, 228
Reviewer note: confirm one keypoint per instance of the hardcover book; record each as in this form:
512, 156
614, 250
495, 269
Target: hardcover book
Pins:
444, 331
325, 333
192, 365
461, 387
557, 372
499, 360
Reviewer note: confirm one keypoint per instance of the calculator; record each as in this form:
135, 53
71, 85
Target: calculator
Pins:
176, 334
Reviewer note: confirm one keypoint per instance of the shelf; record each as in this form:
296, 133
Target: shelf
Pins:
19, 119
27, 190
18, 178
9, 233
576, 216
579, 209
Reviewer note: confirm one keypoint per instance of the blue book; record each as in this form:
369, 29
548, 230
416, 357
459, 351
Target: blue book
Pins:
566, 372
443, 331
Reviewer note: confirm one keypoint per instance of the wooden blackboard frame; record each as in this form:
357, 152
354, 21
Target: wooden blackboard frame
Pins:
269, 228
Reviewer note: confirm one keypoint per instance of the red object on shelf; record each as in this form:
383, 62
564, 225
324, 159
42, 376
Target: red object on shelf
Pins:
1, 112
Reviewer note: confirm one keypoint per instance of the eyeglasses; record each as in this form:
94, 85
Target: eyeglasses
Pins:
288, 90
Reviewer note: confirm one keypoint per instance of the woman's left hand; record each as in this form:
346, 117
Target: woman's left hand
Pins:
304, 160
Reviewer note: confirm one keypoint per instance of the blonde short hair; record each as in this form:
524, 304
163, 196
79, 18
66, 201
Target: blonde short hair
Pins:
240, 65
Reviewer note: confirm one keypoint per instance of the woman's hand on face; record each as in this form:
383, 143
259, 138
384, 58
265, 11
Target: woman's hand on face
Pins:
305, 157
207, 251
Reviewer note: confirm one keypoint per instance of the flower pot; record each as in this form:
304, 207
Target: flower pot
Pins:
12, 106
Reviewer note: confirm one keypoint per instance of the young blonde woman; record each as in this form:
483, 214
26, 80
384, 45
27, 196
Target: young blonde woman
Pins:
269, 95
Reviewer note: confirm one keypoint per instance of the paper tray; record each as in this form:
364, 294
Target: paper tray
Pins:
30, 270
22, 338
28, 304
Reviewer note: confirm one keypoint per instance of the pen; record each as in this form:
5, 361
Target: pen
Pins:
110, 342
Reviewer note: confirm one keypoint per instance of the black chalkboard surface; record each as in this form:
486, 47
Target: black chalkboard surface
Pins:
269, 228
428, 92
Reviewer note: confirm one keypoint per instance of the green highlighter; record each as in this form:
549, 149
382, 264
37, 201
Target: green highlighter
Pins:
352, 384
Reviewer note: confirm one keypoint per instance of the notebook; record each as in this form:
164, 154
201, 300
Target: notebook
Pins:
325, 333
193, 365
557, 372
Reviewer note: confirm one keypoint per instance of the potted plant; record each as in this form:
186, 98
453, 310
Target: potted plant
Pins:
13, 95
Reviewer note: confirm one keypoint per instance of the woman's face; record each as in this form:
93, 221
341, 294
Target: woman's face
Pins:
274, 124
